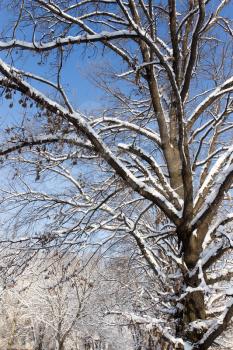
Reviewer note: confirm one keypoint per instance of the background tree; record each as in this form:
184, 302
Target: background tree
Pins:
61, 304
161, 150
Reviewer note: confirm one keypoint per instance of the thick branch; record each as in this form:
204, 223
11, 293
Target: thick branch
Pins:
193, 50
218, 327
226, 87
100, 147
69, 40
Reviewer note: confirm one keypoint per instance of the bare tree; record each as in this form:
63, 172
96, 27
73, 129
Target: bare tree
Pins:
58, 301
161, 150
61, 305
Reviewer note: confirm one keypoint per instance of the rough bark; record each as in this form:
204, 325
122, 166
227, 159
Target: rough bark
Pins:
193, 301
151, 339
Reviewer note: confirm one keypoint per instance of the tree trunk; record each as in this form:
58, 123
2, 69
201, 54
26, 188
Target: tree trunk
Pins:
39, 339
94, 344
194, 310
193, 302
61, 346
151, 339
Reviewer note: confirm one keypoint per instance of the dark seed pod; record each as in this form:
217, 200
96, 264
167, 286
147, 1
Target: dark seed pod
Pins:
8, 96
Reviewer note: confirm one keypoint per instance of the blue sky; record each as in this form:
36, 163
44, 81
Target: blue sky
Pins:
78, 70
81, 63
